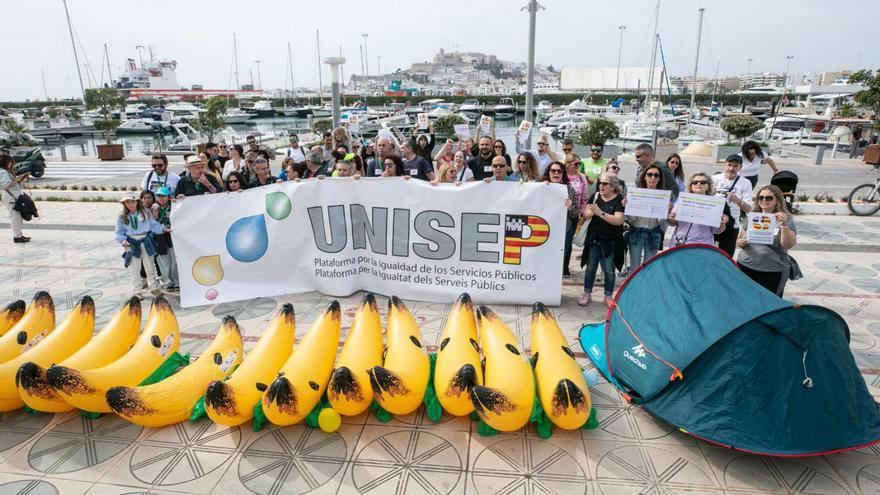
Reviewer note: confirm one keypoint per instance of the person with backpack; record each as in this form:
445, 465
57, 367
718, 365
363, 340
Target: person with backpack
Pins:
159, 176
10, 186
135, 230
161, 211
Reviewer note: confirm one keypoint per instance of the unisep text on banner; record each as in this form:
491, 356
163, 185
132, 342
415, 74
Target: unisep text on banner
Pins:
502, 242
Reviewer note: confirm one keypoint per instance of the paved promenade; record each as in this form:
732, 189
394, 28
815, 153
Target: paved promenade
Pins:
72, 254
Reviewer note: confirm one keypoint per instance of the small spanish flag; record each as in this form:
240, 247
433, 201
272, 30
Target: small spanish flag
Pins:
522, 231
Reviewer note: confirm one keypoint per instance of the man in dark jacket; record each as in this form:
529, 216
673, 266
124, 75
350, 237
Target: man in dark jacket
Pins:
197, 181
645, 157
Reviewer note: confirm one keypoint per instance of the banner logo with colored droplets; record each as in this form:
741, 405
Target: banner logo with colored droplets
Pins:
523, 231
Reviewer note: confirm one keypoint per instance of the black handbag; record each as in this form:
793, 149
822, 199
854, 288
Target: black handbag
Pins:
26, 207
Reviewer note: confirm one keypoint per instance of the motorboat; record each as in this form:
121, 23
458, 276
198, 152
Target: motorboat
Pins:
142, 126
544, 108
183, 111
505, 109
236, 116
262, 109
471, 107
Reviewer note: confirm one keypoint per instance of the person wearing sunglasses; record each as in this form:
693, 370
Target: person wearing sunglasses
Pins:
769, 265
499, 170
159, 176
694, 233
543, 154
576, 179
500, 149
645, 235
738, 193
604, 241
223, 154
644, 157
525, 169
235, 182
556, 174
593, 166
613, 168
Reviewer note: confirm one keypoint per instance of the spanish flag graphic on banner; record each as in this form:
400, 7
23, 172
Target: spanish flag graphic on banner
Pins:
522, 231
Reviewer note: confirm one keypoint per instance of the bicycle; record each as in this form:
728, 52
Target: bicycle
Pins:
864, 200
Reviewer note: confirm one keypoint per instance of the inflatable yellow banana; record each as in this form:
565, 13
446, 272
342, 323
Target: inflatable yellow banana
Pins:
349, 390
85, 389
69, 337
303, 378
505, 402
107, 346
10, 315
38, 321
399, 384
458, 359
561, 385
171, 400
231, 402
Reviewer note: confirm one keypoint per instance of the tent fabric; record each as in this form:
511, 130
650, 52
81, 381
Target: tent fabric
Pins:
757, 373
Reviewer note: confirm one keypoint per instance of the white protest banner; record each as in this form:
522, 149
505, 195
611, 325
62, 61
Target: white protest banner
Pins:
485, 124
386, 235
524, 130
423, 120
648, 203
761, 228
699, 209
463, 131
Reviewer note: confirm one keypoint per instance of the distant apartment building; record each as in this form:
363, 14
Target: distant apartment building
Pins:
756, 79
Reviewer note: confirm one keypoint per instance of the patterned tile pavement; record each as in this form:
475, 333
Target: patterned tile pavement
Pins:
631, 452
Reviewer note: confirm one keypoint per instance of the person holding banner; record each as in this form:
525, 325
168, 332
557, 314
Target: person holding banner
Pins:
645, 234
738, 193
556, 174
197, 180
235, 182
499, 171
695, 233
769, 265
604, 239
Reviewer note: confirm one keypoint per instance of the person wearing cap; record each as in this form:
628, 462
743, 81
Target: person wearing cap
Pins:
197, 181
159, 176
135, 228
738, 192
263, 176
297, 152
161, 211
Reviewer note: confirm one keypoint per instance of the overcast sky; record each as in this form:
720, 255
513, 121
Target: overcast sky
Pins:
821, 35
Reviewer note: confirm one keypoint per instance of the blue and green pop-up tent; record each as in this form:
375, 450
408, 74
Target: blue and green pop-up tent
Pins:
701, 346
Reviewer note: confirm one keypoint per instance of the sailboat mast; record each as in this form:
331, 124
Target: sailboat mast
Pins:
653, 61
235, 61
107, 56
75, 56
697, 61
45, 91
290, 63
320, 81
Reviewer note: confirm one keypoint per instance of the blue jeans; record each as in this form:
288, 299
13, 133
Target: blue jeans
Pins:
594, 258
570, 227
642, 246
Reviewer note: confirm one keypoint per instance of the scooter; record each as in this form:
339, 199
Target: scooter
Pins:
27, 159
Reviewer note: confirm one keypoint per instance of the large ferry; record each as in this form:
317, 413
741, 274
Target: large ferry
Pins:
156, 78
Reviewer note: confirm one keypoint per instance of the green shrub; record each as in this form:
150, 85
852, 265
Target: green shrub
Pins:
599, 130
741, 126
445, 125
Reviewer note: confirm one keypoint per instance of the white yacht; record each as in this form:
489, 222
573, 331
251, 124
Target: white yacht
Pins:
236, 116
471, 107
505, 110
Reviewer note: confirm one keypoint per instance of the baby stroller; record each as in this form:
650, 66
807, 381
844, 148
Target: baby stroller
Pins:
786, 182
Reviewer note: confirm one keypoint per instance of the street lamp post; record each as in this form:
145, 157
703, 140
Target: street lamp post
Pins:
366, 63
532, 8
334, 63
619, 54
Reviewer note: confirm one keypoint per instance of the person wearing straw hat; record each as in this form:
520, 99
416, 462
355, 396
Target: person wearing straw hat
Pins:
197, 181
135, 230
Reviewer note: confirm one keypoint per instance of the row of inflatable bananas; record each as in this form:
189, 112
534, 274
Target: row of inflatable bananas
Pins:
478, 367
